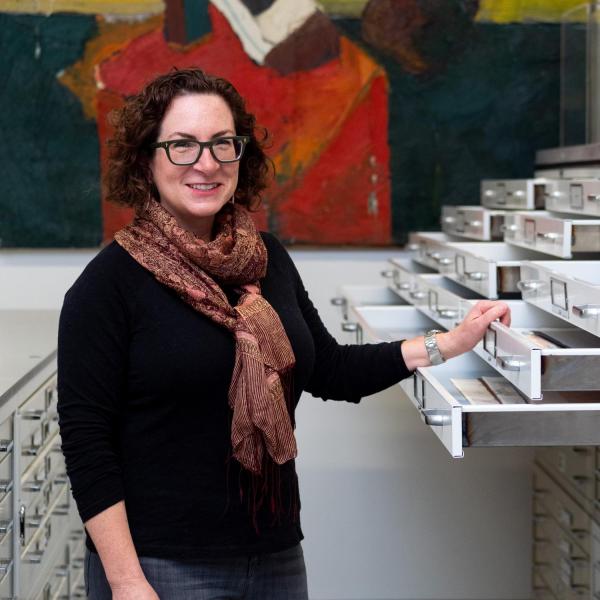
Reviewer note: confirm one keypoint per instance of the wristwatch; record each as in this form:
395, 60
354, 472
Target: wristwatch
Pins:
433, 350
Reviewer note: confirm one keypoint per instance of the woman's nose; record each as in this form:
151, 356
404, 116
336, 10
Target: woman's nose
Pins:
206, 162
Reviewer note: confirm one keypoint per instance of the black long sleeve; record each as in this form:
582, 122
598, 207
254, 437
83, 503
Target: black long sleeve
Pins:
143, 403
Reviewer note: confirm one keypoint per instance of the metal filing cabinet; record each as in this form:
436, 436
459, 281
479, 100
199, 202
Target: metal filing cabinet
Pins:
42, 543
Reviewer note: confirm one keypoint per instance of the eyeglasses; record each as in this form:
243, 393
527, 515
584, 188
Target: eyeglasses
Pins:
188, 152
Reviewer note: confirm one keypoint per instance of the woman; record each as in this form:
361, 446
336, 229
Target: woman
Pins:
184, 347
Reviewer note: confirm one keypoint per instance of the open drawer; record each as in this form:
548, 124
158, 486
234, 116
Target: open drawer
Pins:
433, 250
517, 194
387, 323
361, 295
503, 418
568, 289
438, 297
548, 233
540, 353
473, 222
489, 268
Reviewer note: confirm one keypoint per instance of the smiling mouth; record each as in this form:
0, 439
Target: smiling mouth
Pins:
203, 187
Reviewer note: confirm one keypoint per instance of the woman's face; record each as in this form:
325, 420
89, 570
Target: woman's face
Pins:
194, 194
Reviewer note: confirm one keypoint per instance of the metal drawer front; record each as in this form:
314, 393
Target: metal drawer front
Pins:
473, 222
551, 500
574, 466
402, 275
38, 422
439, 298
489, 268
547, 233
581, 197
570, 290
433, 250
519, 194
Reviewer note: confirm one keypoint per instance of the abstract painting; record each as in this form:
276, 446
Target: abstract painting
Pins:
378, 111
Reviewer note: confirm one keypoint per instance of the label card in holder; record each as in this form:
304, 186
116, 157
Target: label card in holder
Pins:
558, 295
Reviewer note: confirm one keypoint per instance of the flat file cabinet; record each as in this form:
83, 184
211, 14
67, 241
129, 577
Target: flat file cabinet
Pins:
42, 542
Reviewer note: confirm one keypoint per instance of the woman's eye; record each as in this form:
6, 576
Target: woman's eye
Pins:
223, 143
183, 145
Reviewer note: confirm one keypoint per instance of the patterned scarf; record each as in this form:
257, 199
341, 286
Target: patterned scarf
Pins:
260, 386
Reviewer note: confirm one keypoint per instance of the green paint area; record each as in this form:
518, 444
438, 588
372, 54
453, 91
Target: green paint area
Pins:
481, 114
197, 21
49, 189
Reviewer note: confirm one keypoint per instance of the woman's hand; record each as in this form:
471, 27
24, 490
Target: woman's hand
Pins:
465, 336
133, 589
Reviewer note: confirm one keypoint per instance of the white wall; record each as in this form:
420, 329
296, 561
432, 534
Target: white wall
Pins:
386, 512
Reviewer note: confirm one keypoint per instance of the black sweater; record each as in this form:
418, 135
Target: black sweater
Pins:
143, 383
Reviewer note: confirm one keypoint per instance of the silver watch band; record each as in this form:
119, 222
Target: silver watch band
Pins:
433, 350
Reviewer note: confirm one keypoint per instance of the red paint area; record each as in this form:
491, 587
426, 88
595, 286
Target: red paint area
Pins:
328, 128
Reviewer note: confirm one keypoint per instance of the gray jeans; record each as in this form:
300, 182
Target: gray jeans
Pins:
277, 576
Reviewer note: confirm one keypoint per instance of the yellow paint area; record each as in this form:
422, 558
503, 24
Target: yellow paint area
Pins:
89, 7
111, 38
511, 11
345, 8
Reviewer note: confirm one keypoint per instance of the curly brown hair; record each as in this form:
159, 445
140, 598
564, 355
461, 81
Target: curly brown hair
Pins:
128, 179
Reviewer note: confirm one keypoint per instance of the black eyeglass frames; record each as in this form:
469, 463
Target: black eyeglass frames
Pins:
186, 152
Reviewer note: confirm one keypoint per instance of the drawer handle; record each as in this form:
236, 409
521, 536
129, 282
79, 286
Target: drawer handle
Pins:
339, 301
405, 286
585, 311
354, 328
474, 223
34, 557
30, 450
412, 247
436, 417
33, 486
433, 255
531, 285
449, 220
5, 527
388, 273
6, 445
33, 415
447, 313
444, 261
511, 227
417, 295
548, 236
510, 363
6, 485
593, 197
475, 275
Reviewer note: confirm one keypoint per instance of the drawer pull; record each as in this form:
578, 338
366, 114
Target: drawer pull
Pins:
433, 255
6, 485
473, 223
444, 261
339, 301
550, 236
447, 313
6, 445
530, 286
388, 273
449, 220
436, 417
475, 275
30, 450
593, 197
33, 415
585, 311
34, 557
417, 295
412, 247
511, 227
405, 286
354, 328
510, 363
33, 486
5, 527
